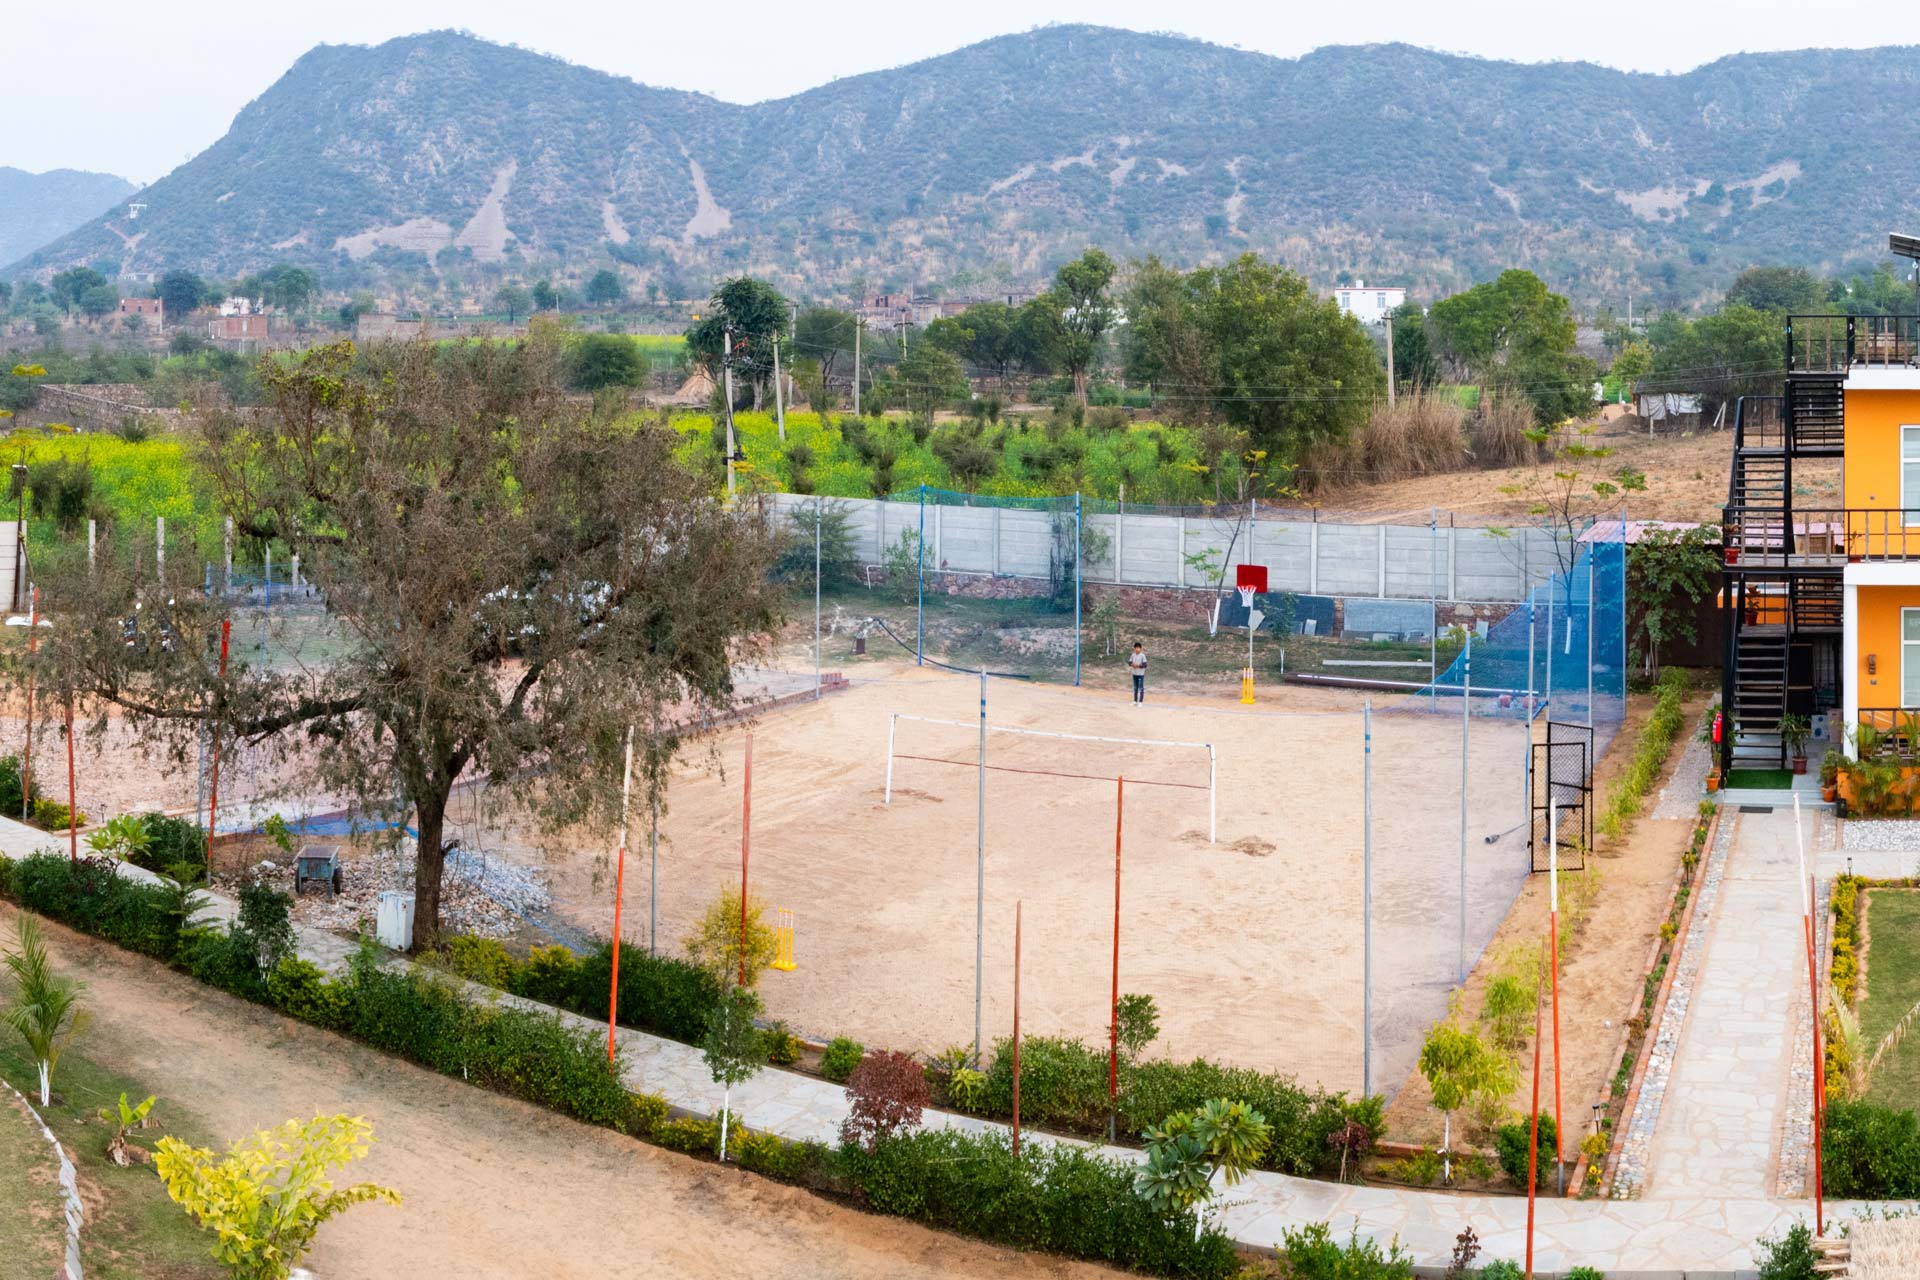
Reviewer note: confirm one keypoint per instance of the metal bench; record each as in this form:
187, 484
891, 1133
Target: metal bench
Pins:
318, 864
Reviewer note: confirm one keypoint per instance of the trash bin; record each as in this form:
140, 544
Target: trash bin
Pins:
393, 920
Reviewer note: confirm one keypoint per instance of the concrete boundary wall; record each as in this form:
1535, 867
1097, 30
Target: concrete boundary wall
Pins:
1301, 554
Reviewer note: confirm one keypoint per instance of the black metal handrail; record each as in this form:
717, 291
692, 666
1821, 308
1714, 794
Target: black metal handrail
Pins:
1836, 343
1772, 537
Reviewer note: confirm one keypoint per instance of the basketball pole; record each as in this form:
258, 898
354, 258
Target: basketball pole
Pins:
1366, 897
746, 829
619, 892
1113, 1008
980, 875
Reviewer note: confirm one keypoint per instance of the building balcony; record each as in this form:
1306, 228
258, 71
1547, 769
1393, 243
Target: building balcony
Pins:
1837, 344
1757, 538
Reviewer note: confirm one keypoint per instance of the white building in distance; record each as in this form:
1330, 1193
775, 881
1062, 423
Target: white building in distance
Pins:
1368, 304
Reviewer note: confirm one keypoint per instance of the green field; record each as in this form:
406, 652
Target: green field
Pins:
1893, 989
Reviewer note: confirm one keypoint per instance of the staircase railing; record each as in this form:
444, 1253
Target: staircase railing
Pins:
1836, 343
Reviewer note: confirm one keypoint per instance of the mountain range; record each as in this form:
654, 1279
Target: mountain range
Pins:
445, 163
38, 207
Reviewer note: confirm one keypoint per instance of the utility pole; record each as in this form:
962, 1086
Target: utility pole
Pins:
1390, 378
857, 326
726, 374
779, 401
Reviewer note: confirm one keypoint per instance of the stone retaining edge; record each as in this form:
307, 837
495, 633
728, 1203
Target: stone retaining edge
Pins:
69, 1187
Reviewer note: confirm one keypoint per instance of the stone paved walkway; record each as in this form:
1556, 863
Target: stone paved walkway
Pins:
1698, 1237
1727, 1103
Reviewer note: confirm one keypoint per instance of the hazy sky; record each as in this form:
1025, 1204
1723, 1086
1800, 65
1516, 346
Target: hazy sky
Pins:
134, 87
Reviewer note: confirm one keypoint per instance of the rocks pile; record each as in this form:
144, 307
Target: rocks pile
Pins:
479, 894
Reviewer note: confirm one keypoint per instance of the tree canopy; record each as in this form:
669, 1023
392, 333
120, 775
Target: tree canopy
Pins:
517, 581
1782, 289
180, 292
605, 288
1514, 334
1077, 312
755, 313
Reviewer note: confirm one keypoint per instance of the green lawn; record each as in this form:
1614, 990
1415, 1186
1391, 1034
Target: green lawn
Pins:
132, 1230
32, 1233
1893, 988
1759, 780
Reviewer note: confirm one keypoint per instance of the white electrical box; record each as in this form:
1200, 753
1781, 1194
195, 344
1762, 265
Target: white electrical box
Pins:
393, 920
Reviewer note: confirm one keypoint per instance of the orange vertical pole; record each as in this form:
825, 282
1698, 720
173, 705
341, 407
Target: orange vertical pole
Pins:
1533, 1146
213, 791
619, 893
1559, 1131
746, 825
26, 761
1113, 1009
1016, 1028
73, 816
1819, 1073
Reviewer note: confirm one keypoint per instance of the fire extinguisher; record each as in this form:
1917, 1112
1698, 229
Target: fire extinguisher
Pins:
1716, 728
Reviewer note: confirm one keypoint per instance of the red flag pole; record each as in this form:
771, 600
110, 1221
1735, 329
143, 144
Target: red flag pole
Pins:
1016, 1028
746, 824
1533, 1146
1113, 1008
213, 791
26, 761
73, 812
619, 891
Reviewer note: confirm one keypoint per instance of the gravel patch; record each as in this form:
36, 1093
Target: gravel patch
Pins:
1890, 835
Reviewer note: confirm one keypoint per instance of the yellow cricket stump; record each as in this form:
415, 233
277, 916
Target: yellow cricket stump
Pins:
783, 940
1246, 686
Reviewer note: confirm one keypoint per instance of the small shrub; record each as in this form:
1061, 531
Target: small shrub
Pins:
887, 1093
668, 997
1791, 1257
967, 1089
1062, 1082
265, 925
300, 990
1511, 1141
481, 960
649, 1113
1312, 1253
1870, 1152
715, 945
1586, 1273
1503, 1269
51, 815
1422, 1169
783, 1047
689, 1134
841, 1057
550, 975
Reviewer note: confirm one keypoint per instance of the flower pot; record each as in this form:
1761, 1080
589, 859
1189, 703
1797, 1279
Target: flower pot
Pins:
1830, 793
1733, 555
1799, 764
1713, 781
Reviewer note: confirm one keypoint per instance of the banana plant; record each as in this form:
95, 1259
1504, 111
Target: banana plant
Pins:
129, 1118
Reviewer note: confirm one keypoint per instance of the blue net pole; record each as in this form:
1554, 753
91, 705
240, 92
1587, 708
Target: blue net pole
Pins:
1076, 590
920, 605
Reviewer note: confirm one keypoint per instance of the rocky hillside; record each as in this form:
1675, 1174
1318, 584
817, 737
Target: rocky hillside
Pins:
38, 207
444, 160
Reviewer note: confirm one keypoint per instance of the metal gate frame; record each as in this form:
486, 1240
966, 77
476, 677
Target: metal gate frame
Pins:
1562, 778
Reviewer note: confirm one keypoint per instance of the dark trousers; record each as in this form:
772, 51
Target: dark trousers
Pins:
1139, 687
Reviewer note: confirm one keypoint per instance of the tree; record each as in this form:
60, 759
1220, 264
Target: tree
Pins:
514, 299
181, 292
1035, 340
1222, 1140
46, 1009
1778, 289
1566, 492
1514, 334
1669, 571
984, 335
1079, 312
1634, 362
1735, 352
734, 1049
68, 286
99, 300
1166, 342
545, 296
286, 287
825, 336
1460, 1068
521, 581
714, 944
1415, 367
605, 288
928, 379
270, 1195
755, 313
606, 360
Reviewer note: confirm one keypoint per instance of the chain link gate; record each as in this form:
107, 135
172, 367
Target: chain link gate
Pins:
1562, 779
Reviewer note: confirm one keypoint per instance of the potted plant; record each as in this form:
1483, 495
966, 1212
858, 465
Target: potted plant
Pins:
1794, 731
1713, 748
1830, 766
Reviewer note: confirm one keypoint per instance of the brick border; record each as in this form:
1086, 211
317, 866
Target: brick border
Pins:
1624, 1120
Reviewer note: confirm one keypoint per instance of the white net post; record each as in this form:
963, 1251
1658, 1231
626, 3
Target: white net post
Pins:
893, 723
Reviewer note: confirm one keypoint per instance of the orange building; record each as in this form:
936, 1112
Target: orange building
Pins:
1822, 604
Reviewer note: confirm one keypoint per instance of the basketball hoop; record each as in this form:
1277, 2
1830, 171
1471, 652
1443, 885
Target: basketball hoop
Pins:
1246, 597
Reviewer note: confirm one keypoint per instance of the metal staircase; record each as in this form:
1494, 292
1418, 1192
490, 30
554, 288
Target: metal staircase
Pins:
1815, 416
1759, 697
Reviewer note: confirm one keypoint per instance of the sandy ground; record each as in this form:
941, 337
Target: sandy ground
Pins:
1686, 480
1601, 967
1251, 945
492, 1187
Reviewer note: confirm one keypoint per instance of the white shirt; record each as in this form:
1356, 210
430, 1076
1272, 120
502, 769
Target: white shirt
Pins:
1138, 662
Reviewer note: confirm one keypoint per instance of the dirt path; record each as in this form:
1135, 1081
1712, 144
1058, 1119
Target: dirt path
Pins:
493, 1187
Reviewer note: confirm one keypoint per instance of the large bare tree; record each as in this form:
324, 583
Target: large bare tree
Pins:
519, 580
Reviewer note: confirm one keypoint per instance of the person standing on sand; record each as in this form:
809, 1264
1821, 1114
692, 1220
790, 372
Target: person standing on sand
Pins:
1137, 663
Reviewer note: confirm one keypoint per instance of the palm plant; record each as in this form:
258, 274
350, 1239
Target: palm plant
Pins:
123, 838
46, 1009
1185, 1155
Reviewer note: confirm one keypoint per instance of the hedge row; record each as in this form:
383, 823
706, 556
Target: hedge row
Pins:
1870, 1152
1063, 1082
1063, 1200
1657, 736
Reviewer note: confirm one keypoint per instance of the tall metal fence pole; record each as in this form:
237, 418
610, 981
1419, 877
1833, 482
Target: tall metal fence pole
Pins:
816, 591
1433, 601
1076, 590
653, 873
980, 875
1590, 615
920, 605
1366, 897
1466, 736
